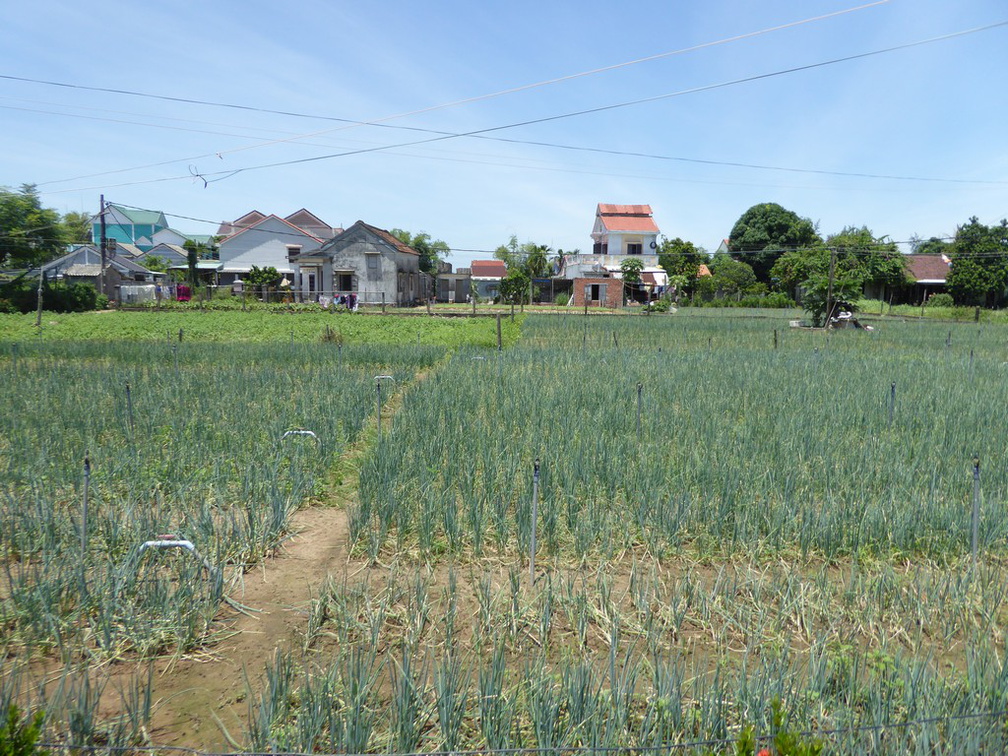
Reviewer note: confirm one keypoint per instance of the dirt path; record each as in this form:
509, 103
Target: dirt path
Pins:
197, 699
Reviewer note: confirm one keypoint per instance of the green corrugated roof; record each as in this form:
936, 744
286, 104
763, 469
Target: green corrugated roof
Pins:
148, 217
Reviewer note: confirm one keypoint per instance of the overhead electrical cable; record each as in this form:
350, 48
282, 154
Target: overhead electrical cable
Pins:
615, 106
382, 122
465, 101
215, 176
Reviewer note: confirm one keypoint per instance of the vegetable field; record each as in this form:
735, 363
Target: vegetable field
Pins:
728, 513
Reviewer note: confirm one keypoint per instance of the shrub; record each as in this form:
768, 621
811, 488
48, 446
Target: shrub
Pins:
19, 736
21, 295
940, 300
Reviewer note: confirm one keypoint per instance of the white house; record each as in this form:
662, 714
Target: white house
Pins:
620, 232
266, 240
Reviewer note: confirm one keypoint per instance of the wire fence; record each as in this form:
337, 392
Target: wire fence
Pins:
992, 721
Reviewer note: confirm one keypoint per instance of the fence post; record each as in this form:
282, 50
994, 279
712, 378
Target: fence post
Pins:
84, 522
976, 508
499, 342
535, 516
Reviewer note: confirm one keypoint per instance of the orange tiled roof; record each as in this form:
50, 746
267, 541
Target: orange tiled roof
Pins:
627, 218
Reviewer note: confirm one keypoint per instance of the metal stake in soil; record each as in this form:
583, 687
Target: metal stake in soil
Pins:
535, 516
976, 508
84, 519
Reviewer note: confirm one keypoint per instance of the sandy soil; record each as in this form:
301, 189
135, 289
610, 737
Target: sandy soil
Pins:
197, 699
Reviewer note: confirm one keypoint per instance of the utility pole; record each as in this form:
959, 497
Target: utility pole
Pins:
104, 241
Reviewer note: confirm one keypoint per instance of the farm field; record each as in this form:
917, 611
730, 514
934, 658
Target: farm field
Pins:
728, 513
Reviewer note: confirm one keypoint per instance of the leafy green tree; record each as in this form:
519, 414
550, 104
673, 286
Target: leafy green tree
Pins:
29, 233
859, 256
979, 272
155, 263
877, 260
532, 258
932, 246
729, 278
764, 232
514, 287
681, 259
815, 299
432, 251
77, 228
537, 262
263, 279
631, 269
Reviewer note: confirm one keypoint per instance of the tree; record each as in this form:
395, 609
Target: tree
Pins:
508, 253
877, 260
29, 233
932, 246
860, 257
155, 263
533, 258
979, 272
728, 278
537, 263
514, 286
432, 252
631, 269
763, 233
815, 300
77, 228
682, 261
263, 279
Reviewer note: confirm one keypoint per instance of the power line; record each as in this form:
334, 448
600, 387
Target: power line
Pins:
215, 176
349, 123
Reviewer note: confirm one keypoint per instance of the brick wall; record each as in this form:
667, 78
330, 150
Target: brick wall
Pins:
609, 292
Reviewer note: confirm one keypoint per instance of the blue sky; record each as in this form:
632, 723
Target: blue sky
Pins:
935, 111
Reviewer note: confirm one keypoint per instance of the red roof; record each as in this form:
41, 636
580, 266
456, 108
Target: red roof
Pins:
927, 267
393, 241
488, 269
627, 217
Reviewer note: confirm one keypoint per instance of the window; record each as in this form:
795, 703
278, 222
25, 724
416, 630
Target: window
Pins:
344, 282
635, 249
372, 262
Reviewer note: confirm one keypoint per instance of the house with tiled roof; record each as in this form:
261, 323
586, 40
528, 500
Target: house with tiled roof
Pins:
364, 260
620, 232
260, 240
928, 274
